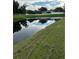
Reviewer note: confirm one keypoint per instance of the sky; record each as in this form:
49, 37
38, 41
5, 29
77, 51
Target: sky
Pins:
35, 4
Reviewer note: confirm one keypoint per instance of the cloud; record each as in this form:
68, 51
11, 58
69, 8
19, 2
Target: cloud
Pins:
53, 3
32, 7
35, 4
32, 1
60, 5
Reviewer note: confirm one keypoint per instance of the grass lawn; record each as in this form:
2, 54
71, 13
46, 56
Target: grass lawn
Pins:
48, 43
21, 16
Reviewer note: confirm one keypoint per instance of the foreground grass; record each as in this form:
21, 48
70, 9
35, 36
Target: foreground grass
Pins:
20, 17
46, 44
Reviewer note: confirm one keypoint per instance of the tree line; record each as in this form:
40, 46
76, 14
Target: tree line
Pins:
17, 9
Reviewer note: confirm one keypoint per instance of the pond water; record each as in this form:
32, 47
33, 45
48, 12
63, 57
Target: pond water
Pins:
27, 28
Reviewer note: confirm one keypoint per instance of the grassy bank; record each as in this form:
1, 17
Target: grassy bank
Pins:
20, 17
46, 44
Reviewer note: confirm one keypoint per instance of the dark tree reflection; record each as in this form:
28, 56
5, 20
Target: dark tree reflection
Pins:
16, 27
31, 20
43, 21
24, 23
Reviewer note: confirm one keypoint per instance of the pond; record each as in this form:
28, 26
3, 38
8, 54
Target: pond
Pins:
27, 28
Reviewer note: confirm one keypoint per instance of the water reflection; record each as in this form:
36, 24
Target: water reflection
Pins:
43, 21
16, 27
31, 20
26, 28
23, 22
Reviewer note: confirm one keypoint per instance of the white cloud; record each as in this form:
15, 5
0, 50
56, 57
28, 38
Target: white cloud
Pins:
49, 6
60, 5
32, 7
35, 7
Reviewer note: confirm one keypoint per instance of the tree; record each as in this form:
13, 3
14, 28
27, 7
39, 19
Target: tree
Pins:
15, 6
59, 9
18, 9
22, 9
42, 9
30, 12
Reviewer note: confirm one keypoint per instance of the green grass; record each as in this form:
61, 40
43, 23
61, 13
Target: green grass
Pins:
20, 17
46, 44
